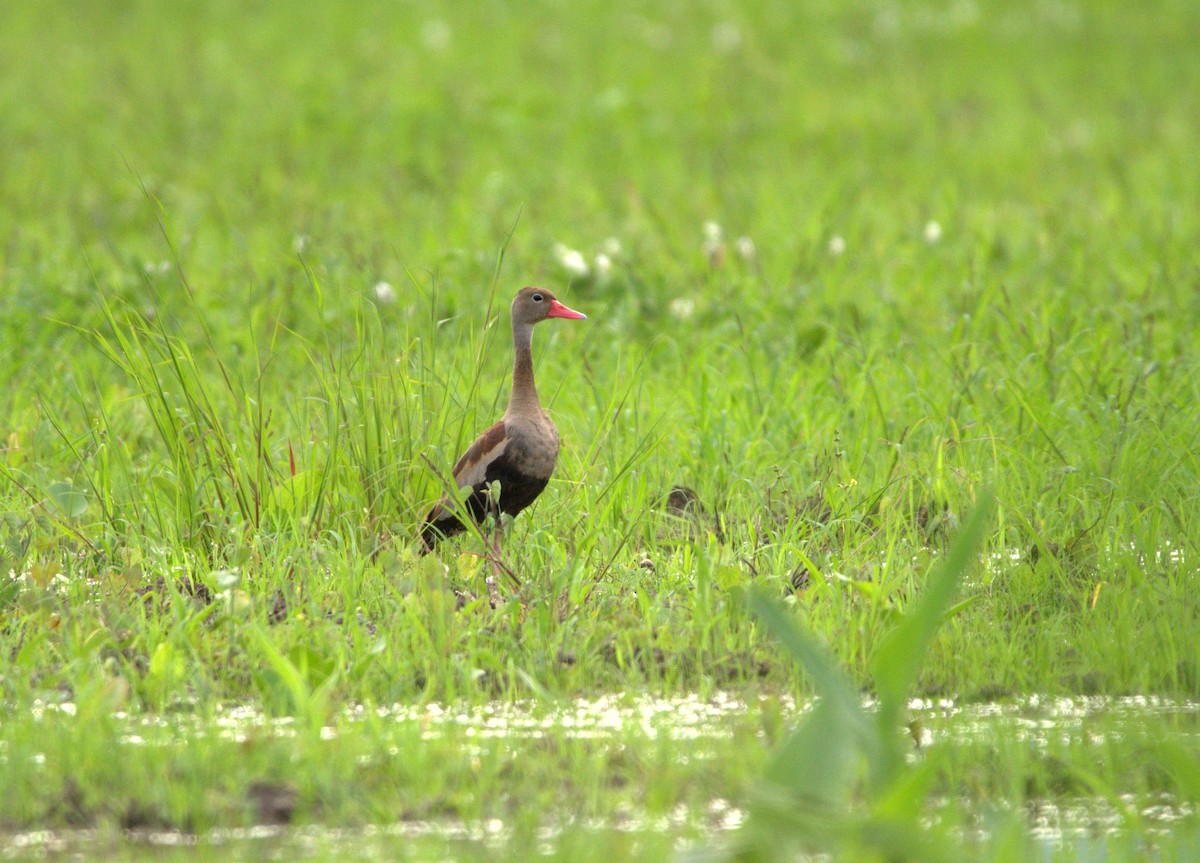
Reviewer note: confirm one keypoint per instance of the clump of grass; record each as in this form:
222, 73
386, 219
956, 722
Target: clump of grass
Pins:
841, 784
218, 429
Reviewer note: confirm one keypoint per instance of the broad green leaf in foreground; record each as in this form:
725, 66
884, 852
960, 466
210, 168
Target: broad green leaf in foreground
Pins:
840, 781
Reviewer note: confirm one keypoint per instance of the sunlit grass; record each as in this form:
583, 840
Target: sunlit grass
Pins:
843, 267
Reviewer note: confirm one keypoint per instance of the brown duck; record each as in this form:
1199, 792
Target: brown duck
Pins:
519, 451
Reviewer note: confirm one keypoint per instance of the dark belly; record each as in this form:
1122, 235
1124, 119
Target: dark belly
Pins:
517, 490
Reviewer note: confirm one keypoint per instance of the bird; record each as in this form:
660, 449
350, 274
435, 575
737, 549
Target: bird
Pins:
519, 452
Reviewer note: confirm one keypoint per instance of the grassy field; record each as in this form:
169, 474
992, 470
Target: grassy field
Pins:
849, 270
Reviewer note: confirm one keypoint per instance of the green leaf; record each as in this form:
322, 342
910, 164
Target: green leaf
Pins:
808, 340
818, 762
296, 494
9, 588
281, 681
166, 663
898, 659
728, 577
821, 667
70, 501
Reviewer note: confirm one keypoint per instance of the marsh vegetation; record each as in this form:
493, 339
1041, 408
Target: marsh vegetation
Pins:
857, 276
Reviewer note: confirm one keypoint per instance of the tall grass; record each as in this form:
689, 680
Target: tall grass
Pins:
253, 289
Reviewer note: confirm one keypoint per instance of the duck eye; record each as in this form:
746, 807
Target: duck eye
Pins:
537, 298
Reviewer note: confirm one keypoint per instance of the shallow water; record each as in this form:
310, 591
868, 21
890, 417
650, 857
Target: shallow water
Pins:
688, 717
1039, 722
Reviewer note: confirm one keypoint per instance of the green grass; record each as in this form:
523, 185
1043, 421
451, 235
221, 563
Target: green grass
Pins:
217, 438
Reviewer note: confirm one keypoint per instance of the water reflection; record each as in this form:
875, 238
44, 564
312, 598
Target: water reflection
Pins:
1040, 721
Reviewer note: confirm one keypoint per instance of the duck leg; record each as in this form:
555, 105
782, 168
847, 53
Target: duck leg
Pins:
493, 554
497, 559
494, 559
496, 536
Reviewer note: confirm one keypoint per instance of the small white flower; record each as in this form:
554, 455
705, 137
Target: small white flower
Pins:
611, 247
745, 248
157, 268
837, 245
435, 34
726, 37
385, 294
612, 99
572, 261
933, 232
603, 266
714, 245
682, 308
299, 243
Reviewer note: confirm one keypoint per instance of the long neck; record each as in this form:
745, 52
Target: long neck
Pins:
524, 398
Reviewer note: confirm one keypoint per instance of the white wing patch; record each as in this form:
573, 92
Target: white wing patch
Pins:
475, 471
